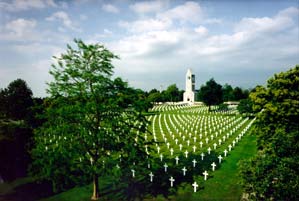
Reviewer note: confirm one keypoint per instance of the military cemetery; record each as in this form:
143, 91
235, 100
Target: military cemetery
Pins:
149, 100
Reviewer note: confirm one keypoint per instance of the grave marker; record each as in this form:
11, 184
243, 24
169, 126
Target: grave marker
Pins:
177, 160
195, 185
205, 173
194, 162
165, 167
213, 166
171, 181
220, 158
184, 171
151, 176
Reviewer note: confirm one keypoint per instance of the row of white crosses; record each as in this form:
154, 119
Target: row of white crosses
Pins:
183, 137
172, 135
205, 173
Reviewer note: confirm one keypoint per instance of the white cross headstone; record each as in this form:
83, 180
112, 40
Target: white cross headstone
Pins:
186, 153
161, 157
225, 152
165, 167
176, 141
207, 140
220, 158
177, 160
171, 151
200, 144
133, 173
215, 145
202, 155
229, 147
195, 185
205, 173
171, 181
184, 171
181, 146
151, 176
168, 144
158, 148
194, 148
209, 150
213, 166
194, 162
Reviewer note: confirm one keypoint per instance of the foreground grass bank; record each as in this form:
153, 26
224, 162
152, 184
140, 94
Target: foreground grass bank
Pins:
223, 184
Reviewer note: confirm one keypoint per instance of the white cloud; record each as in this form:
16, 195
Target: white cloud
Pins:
148, 6
110, 8
280, 22
289, 12
19, 30
64, 18
188, 12
18, 5
213, 21
152, 51
146, 25
201, 30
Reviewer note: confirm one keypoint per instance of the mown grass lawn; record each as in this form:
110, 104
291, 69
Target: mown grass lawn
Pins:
223, 184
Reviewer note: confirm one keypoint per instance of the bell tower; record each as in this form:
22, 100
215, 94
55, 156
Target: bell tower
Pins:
190, 94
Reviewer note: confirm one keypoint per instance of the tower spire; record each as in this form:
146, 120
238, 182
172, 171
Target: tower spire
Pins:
190, 94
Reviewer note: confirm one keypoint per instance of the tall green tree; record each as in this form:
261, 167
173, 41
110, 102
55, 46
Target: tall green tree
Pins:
245, 107
172, 93
211, 93
91, 121
16, 100
154, 96
227, 92
239, 94
273, 174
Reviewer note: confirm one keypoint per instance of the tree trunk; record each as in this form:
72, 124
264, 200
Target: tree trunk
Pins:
95, 195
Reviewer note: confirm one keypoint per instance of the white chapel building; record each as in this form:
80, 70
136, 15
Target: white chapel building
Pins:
190, 94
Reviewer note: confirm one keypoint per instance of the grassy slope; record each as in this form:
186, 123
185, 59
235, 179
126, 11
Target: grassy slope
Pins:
223, 184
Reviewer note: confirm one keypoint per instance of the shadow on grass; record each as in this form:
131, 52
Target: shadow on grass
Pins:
140, 187
29, 192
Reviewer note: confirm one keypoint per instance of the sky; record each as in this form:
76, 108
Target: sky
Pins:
242, 43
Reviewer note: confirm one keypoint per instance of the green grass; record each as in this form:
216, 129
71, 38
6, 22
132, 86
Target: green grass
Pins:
224, 184
75, 194
84, 193
7, 188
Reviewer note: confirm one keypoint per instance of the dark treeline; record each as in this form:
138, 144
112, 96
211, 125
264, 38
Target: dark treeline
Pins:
173, 94
21, 113
18, 111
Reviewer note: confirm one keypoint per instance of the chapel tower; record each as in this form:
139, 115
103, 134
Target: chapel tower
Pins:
190, 93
